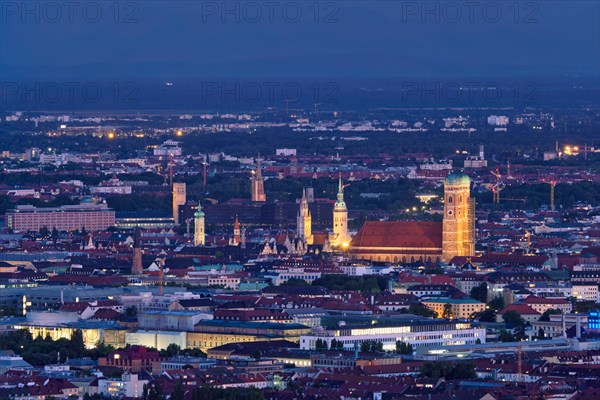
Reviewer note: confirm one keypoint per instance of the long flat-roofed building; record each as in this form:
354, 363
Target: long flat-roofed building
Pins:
144, 219
91, 216
417, 332
213, 333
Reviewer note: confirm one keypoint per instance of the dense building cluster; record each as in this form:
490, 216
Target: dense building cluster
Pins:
295, 276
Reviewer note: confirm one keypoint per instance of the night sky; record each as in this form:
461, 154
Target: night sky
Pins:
169, 40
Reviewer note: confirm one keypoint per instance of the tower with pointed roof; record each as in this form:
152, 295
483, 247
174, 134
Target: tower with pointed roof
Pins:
340, 237
258, 185
199, 235
304, 220
237, 234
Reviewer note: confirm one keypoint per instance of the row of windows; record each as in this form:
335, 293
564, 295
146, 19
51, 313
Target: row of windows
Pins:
415, 341
309, 277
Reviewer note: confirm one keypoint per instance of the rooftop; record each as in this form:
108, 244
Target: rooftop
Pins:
256, 325
421, 234
456, 178
445, 300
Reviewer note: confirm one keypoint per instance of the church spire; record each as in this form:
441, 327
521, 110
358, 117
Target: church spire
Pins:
258, 188
199, 234
236, 232
340, 203
258, 169
340, 236
304, 220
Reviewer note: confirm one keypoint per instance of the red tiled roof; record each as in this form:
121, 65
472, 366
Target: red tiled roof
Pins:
405, 367
75, 306
319, 238
441, 280
399, 234
522, 309
500, 258
107, 314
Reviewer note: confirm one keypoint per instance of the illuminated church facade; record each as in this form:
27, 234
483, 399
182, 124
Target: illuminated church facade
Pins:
340, 236
412, 241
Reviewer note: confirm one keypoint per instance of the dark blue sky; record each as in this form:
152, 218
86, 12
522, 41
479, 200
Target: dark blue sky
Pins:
169, 40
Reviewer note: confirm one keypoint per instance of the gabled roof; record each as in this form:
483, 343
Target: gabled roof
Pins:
422, 234
522, 309
106, 314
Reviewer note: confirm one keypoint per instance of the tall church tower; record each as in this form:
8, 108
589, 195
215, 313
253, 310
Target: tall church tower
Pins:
199, 236
237, 235
340, 235
179, 199
458, 232
304, 220
258, 185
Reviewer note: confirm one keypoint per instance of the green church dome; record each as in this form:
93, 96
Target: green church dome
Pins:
457, 179
199, 213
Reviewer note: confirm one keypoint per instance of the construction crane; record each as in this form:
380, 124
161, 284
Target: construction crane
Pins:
498, 186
